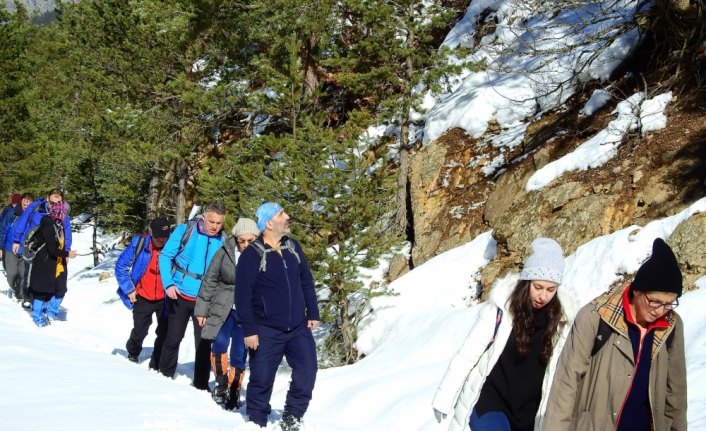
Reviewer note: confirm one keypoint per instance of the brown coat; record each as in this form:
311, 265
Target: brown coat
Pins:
588, 391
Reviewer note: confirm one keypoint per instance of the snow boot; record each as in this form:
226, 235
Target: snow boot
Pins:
235, 378
290, 423
219, 362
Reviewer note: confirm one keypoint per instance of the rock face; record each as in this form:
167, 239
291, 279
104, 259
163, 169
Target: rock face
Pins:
651, 177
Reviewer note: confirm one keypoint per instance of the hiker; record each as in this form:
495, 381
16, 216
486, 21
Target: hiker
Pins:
141, 289
499, 379
630, 375
7, 216
215, 313
47, 281
277, 308
30, 218
182, 264
14, 264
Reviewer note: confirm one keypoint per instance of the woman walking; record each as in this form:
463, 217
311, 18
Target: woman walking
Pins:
499, 378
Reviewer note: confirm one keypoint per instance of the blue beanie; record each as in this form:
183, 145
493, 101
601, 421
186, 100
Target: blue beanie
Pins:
265, 213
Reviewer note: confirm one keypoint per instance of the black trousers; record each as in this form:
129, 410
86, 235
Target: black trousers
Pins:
180, 310
142, 311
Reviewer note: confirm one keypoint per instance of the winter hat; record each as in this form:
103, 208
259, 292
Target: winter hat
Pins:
16, 198
160, 228
245, 225
545, 263
58, 210
659, 273
265, 213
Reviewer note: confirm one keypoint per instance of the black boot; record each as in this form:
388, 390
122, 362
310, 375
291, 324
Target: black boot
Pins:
290, 423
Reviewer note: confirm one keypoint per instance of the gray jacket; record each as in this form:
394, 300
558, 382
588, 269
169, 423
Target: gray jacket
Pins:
217, 292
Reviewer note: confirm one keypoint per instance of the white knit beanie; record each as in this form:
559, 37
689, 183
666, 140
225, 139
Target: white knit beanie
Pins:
245, 225
545, 263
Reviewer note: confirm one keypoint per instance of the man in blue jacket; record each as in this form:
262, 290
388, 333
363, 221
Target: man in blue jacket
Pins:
30, 218
277, 308
141, 289
182, 264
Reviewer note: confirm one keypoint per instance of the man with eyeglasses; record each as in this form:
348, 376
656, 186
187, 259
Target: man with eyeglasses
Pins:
636, 378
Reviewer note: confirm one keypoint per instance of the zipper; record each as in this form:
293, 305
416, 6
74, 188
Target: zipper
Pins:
289, 293
634, 372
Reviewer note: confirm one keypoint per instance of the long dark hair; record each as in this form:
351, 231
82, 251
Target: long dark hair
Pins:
523, 321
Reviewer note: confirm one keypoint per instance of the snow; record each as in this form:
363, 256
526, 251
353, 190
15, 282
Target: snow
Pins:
633, 113
75, 371
535, 62
73, 375
599, 98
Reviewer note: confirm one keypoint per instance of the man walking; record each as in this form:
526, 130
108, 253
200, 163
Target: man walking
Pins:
182, 264
13, 263
141, 289
277, 308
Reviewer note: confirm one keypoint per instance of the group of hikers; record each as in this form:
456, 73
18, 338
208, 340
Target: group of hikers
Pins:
620, 364
36, 241
269, 314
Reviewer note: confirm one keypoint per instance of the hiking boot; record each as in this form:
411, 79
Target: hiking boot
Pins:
233, 401
26, 305
220, 394
133, 358
290, 423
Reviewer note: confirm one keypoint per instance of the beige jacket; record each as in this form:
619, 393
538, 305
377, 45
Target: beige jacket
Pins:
587, 393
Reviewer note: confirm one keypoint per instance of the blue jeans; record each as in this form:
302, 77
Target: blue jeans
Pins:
231, 333
493, 421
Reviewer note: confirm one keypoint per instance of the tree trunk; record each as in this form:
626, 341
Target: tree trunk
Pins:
153, 196
181, 174
96, 251
350, 354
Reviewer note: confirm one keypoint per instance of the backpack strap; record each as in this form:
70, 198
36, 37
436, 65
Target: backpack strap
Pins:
262, 251
602, 335
138, 250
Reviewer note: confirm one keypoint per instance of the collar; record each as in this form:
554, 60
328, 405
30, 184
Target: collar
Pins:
659, 323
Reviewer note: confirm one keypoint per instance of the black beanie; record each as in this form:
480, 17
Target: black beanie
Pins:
659, 273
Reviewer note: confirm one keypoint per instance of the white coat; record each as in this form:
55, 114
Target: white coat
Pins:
460, 387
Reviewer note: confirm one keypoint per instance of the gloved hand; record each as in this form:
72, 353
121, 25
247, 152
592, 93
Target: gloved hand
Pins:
439, 416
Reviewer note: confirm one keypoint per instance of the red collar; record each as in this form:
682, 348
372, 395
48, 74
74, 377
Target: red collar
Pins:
659, 323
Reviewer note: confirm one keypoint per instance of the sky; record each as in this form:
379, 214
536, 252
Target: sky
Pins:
74, 375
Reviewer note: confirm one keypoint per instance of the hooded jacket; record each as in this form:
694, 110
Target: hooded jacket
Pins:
217, 292
588, 392
460, 387
193, 258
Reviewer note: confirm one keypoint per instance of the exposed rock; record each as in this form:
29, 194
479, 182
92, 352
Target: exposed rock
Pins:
689, 244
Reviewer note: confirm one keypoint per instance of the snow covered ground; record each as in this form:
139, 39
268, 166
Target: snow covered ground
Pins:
73, 375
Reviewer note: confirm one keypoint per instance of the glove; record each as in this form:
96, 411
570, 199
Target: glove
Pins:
439, 416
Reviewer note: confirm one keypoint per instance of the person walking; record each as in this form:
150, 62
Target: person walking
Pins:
14, 264
47, 281
182, 264
141, 289
623, 366
513, 340
30, 218
215, 312
277, 307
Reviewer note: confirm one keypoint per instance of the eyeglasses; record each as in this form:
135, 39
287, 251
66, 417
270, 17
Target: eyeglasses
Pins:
666, 305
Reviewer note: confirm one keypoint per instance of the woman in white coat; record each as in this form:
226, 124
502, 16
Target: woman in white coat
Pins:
500, 377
